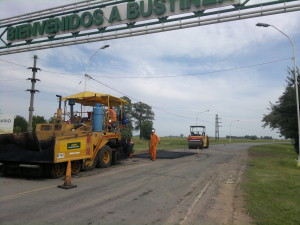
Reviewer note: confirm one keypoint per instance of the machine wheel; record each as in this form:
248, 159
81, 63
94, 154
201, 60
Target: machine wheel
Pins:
75, 167
207, 144
114, 157
104, 157
58, 170
201, 145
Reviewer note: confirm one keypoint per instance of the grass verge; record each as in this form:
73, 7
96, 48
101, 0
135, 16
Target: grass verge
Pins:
272, 185
167, 143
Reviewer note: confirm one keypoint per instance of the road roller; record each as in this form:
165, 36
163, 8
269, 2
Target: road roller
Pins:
198, 138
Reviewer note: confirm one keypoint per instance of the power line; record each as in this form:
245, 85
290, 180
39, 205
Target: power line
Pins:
13, 91
9, 70
138, 99
155, 107
202, 73
64, 73
12, 80
13, 63
167, 76
160, 77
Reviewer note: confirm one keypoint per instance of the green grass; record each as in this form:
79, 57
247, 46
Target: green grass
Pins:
167, 143
272, 185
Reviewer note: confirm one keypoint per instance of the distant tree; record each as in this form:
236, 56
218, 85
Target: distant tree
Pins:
127, 112
266, 137
20, 124
146, 128
52, 119
254, 137
283, 114
181, 135
142, 113
36, 120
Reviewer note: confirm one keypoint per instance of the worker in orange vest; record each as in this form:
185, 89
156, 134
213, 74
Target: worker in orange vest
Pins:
154, 140
112, 118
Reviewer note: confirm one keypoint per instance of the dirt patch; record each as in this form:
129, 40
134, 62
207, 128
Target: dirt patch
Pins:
229, 202
260, 154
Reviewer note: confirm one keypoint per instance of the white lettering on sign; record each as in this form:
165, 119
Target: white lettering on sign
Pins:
118, 14
61, 155
74, 153
6, 123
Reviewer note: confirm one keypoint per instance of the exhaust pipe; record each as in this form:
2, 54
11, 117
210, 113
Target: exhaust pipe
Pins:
71, 104
59, 110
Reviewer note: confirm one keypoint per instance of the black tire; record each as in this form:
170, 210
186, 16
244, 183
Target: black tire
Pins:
207, 144
201, 145
75, 167
114, 157
104, 157
58, 170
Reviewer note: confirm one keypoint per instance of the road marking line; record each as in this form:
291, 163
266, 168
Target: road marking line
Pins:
195, 202
77, 179
26, 192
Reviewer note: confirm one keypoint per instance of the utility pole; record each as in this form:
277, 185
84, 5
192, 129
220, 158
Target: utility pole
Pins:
32, 92
217, 126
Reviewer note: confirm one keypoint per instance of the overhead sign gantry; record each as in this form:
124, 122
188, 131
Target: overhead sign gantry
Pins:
90, 21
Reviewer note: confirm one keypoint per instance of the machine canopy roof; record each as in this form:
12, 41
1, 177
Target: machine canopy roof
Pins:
88, 98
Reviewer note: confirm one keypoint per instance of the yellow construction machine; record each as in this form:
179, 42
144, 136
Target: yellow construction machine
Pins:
88, 139
198, 138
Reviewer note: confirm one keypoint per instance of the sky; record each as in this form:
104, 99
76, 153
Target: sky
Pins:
201, 62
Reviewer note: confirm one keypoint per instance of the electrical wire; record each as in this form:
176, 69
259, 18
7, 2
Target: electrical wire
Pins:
155, 77
201, 73
155, 107
13, 63
180, 75
160, 77
13, 91
13, 80
9, 70
64, 73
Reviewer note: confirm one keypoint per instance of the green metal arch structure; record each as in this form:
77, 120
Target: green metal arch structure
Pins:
242, 10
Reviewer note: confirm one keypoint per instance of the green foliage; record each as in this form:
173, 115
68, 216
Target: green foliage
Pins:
138, 116
142, 113
52, 119
145, 131
127, 112
20, 124
36, 120
272, 185
283, 114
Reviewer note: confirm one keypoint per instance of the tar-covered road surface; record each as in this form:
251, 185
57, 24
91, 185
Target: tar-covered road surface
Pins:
180, 187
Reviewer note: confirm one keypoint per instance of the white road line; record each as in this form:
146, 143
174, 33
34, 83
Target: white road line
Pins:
13, 196
195, 202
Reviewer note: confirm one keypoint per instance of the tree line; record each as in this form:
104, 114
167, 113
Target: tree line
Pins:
283, 113
139, 117
250, 137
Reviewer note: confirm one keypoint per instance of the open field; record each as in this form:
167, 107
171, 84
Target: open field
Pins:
272, 185
167, 143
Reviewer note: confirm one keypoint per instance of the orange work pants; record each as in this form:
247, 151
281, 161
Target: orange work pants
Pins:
153, 152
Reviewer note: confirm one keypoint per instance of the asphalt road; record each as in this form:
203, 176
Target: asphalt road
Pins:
180, 187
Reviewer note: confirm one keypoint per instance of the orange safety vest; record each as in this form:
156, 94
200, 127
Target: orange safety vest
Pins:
112, 115
154, 139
